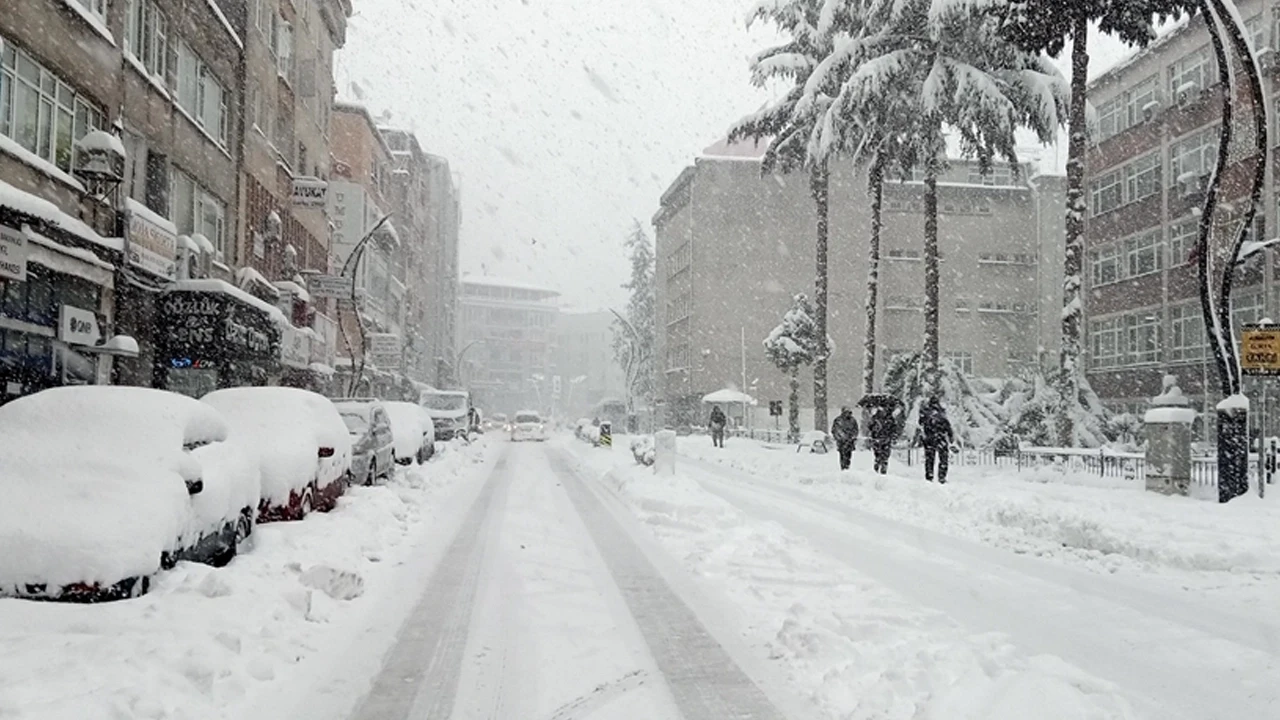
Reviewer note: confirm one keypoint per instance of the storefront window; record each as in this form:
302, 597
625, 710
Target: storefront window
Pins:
193, 382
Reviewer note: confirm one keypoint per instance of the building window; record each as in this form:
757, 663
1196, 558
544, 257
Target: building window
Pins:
97, 7
1105, 265
1107, 193
1142, 335
902, 302
1142, 177
282, 49
1194, 155
264, 12
1104, 343
1183, 236
195, 210
1139, 97
901, 254
1186, 333
40, 112
200, 94
1143, 254
1246, 307
962, 361
147, 37
1111, 117
1006, 259
999, 175
1194, 70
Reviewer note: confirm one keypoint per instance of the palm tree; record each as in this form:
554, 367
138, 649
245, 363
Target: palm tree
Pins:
790, 345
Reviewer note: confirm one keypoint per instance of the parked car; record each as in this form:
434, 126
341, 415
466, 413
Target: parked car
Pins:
103, 486
450, 411
413, 432
300, 442
373, 451
528, 425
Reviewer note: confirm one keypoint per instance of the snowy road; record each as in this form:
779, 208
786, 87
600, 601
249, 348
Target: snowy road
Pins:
1172, 654
544, 607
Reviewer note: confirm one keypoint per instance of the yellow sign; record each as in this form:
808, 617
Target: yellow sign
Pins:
1260, 350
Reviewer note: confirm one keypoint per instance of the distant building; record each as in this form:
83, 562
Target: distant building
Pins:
1148, 165
734, 247
585, 362
507, 342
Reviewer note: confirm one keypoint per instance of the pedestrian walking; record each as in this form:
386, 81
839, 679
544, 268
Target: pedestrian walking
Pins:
844, 429
935, 435
717, 423
883, 429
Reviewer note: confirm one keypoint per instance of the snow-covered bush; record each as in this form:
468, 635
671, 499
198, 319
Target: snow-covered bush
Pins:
793, 343
642, 449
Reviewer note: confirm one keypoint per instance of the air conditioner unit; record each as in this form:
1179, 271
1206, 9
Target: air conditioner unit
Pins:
1149, 110
1187, 93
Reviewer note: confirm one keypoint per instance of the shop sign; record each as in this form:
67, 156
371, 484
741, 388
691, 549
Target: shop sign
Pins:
345, 201
384, 350
295, 347
310, 192
77, 326
13, 253
208, 325
329, 286
1260, 350
150, 246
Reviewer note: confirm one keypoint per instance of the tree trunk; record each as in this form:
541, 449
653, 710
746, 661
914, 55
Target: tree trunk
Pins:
876, 182
1069, 369
793, 413
931, 278
821, 183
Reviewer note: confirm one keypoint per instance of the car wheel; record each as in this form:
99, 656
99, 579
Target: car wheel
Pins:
308, 505
244, 528
373, 472
140, 586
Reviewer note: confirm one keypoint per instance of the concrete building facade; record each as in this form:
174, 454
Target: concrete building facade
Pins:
733, 248
588, 369
507, 344
1148, 164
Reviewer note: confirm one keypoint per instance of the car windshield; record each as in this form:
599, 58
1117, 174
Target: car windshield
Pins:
355, 422
526, 418
437, 401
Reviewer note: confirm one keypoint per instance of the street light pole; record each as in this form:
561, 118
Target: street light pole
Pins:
356, 254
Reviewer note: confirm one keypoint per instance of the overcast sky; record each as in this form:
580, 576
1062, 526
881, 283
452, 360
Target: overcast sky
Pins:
564, 120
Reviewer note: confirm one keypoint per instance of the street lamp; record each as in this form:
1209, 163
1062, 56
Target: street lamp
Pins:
1216, 262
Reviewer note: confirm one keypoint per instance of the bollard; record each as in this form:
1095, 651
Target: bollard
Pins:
664, 443
1168, 429
606, 435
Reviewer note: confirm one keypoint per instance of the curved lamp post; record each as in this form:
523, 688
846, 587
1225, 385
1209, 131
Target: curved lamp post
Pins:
352, 262
1218, 254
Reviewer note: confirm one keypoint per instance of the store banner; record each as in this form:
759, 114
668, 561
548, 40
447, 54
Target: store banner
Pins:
13, 254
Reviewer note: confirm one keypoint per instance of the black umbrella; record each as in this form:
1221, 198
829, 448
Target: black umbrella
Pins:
880, 400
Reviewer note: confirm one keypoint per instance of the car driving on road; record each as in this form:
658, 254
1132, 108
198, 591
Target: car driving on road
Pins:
528, 425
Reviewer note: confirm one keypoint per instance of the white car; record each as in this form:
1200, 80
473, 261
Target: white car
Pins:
412, 431
528, 425
103, 486
301, 444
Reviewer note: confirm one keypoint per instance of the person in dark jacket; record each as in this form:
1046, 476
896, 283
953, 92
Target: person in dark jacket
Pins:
883, 429
935, 435
844, 429
717, 423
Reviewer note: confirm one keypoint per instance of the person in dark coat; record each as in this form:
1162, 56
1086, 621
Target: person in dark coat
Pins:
717, 423
844, 429
935, 435
883, 429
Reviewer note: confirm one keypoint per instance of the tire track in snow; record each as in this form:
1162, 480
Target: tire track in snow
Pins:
419, 678
704, 680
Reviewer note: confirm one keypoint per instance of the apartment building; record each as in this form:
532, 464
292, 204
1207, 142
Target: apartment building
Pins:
1000, 237
425, 211
585, 361
1148, 164
508, 343
359, 198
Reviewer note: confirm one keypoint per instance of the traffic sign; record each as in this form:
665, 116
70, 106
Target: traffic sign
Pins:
1260, 349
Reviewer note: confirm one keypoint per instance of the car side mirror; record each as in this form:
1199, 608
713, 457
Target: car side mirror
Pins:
195, 487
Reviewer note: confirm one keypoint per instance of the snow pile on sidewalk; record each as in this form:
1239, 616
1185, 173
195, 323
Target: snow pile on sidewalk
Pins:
854, 648
234, 642
1108, 523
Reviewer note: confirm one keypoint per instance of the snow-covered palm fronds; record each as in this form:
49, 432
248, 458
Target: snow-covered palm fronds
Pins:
794, 342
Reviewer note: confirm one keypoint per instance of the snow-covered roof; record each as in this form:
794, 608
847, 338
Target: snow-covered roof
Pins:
728, 395
25, 202
102, 140
214, 285
741, 150
491, 281
293, 287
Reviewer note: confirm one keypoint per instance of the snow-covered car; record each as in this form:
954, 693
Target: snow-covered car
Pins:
103, 486
373, 450
528, 425
412, 431
450, 411
300, 443
497, 421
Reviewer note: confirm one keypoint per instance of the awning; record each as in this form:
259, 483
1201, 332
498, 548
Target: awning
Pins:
69, 261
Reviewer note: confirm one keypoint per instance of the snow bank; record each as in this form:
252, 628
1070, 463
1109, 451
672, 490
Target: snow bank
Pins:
243, 641
93, 481
1107, 524
286, 427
